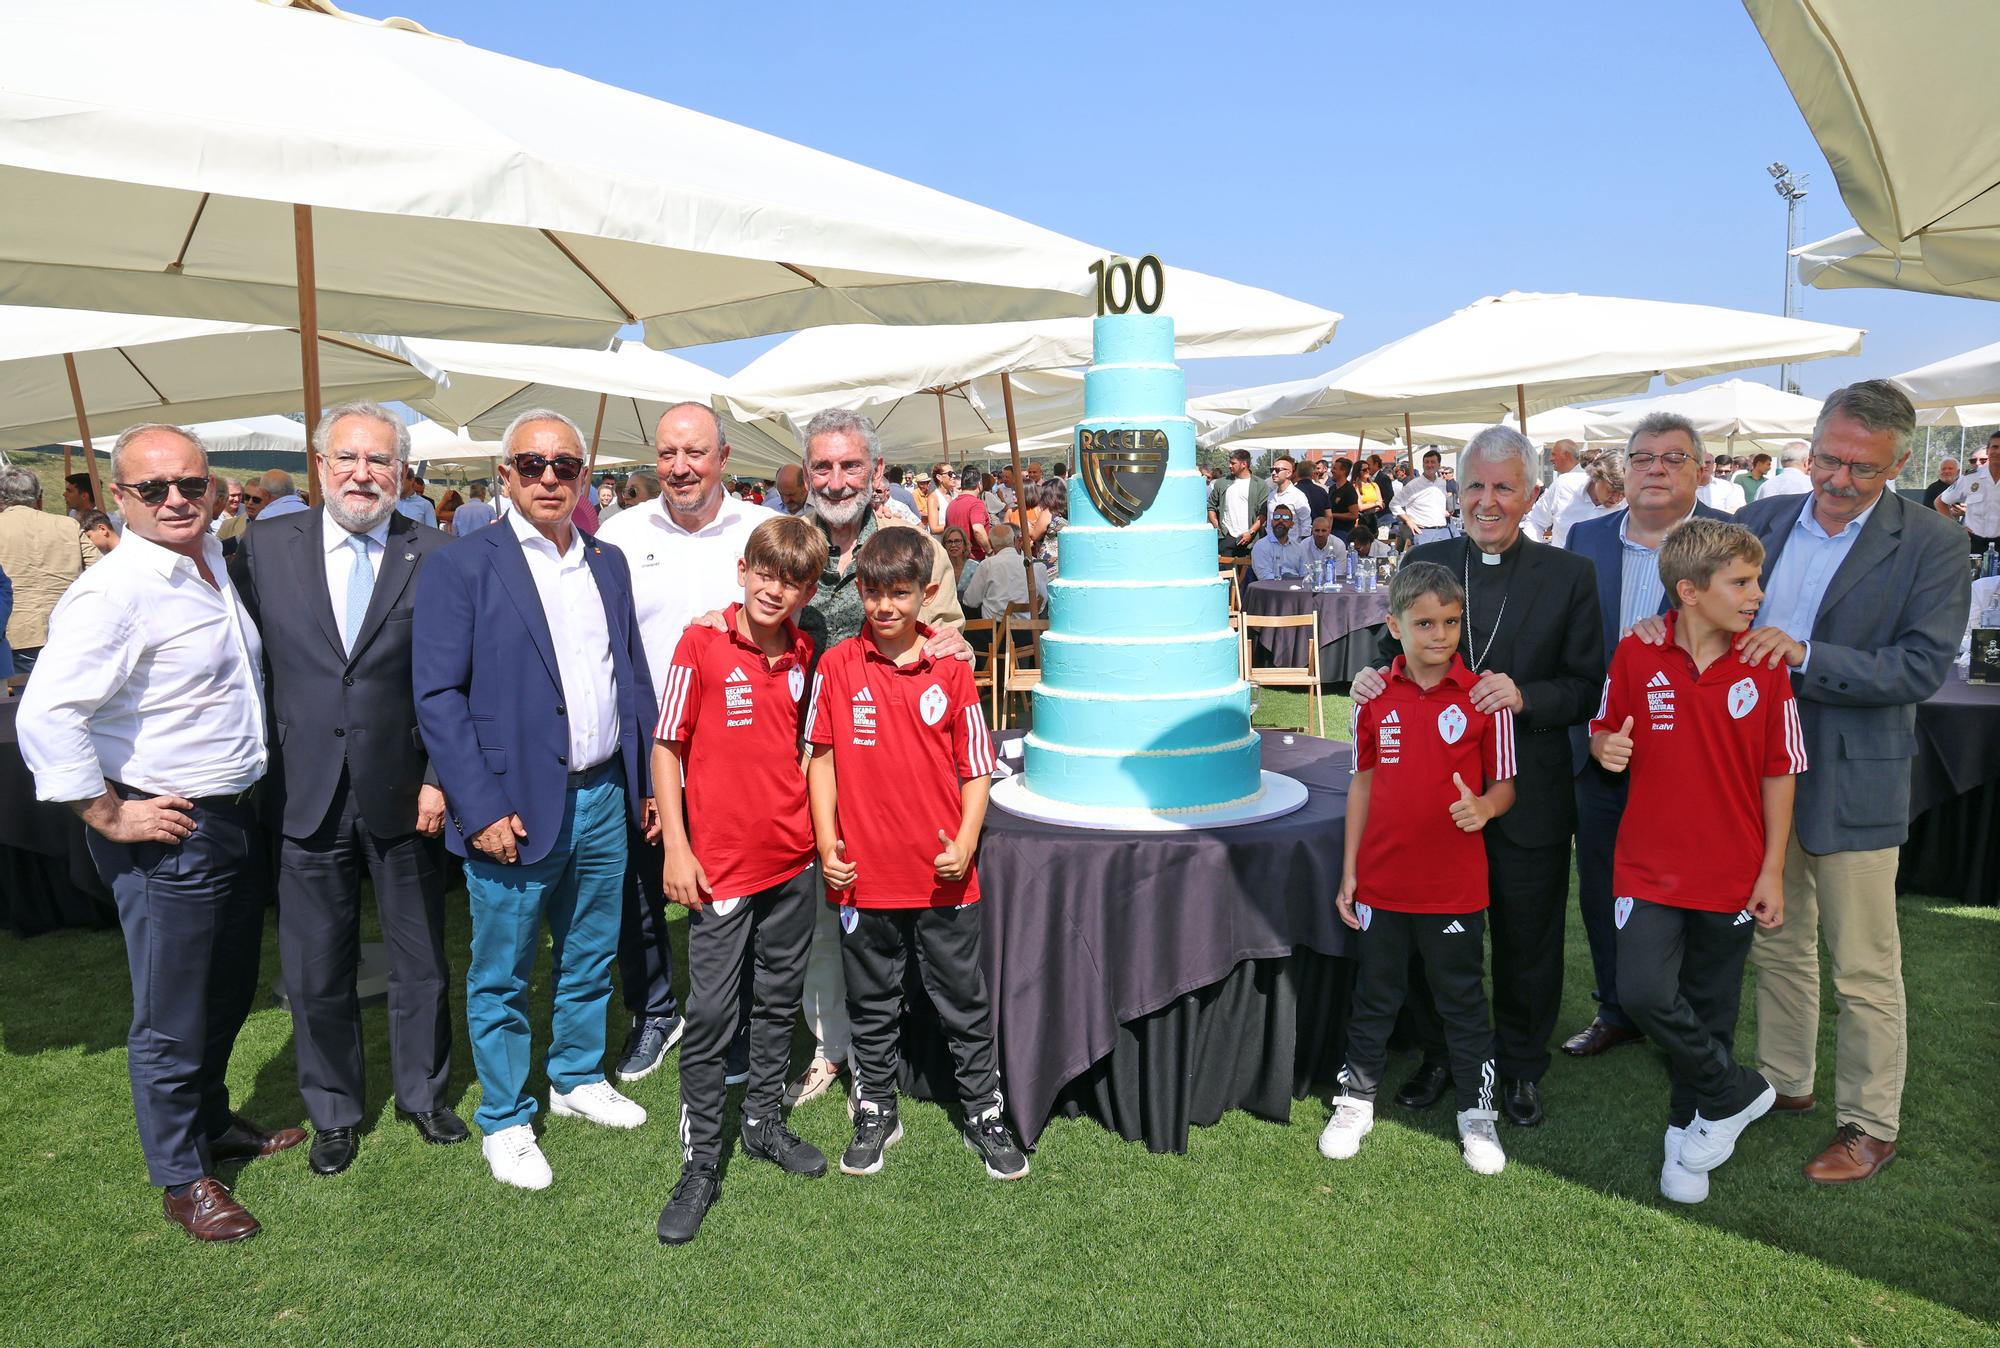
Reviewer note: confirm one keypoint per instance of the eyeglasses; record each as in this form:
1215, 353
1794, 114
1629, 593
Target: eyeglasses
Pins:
531, 466
345, 464
1860, 470
1673, 458
153, 491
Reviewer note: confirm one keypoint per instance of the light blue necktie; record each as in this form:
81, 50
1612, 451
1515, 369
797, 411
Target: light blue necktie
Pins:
360, 587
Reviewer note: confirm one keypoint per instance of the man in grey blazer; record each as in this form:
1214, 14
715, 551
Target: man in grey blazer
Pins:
333, 592
1865, 598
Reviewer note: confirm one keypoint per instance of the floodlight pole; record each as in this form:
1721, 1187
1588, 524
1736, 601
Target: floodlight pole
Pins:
1792, 187
302, 247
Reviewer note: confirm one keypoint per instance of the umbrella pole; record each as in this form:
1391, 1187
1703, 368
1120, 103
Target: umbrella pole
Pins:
1406, 433
1020, 488
302, 248
595, 431
1521, 407
944, 435
90, 451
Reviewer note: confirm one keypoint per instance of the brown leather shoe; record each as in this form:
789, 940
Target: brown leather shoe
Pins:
1851, 1156
1600, 1036
207, 1211
1793, 1104
245, 1141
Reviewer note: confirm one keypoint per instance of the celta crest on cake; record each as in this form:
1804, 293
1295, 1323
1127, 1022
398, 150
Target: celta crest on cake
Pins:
1141, 705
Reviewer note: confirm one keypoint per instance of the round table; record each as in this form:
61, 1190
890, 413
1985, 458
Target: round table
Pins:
1954, 847
1350, 624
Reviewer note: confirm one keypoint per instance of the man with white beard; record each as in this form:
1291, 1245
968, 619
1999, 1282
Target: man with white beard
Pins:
333, 590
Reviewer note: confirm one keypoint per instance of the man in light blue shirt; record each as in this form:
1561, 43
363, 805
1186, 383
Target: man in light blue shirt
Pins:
475, 514
1278, 555
1804, 568
279, 496
413, 501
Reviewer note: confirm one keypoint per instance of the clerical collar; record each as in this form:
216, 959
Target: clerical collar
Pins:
1494, 558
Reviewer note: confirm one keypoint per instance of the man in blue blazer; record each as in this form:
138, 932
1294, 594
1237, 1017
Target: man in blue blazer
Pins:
538, 711
1662, 465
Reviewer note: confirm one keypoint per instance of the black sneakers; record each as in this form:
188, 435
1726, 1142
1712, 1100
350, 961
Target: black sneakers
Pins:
769, 1140
995, 1143
646, 1046
875, 1131
697, 1192
736, 1067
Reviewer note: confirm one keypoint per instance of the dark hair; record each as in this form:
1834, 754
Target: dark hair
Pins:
893, 473
1430, 454
1239, 456
1761, 458
93, 519
1418, 579
891, 557
81, 481
789, 548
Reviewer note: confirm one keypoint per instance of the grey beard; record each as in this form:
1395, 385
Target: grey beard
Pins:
840, 514
362, 523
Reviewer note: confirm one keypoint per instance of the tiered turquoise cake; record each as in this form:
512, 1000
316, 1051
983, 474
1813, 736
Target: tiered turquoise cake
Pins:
1141, 704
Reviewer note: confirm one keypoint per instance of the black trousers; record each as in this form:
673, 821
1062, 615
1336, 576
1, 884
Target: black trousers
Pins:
1979, 542
1451, 949
1528, 890
945, 943
319, 949
1681, 972
645, 941
762, 941
193, 917
1600, 804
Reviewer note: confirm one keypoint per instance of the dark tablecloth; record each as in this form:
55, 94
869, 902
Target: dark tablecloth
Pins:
46, 876
1954, 847
1159, 967
1349, 622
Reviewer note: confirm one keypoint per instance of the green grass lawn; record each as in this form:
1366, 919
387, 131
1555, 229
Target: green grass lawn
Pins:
1249, 1238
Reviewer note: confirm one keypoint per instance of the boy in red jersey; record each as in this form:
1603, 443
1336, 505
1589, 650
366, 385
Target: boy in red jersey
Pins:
737, 834
1689, 718
1415, 866
901, 765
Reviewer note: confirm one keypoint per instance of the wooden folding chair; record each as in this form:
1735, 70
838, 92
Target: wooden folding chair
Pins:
983, 634
1288, 676
1020, 662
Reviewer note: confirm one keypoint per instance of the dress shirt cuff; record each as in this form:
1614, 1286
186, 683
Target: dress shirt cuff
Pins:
70, 783
1805, 659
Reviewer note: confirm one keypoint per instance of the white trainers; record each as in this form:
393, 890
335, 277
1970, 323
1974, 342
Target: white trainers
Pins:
812, 1083
515, 1159
1677, 1182
1352, 1119
1479, 1136
598, 1102
1709, 1142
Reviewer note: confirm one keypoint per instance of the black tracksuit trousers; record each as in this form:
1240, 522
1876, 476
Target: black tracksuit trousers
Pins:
1452, 949
1680, 978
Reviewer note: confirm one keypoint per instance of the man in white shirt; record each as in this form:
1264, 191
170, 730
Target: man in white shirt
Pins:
683, 547
1234, 504
1285, 492
1975, 497
1569, 482
1278, 555
1002, 579
1715, 490
1790, 480
160, 767
535, 703
1421, 503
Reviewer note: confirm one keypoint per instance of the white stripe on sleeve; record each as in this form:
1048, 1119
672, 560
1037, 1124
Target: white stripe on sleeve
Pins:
978, 744
1503, 745
1795, 735
673, 705
812, 706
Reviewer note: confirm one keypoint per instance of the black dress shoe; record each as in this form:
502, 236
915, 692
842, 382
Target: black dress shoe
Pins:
1600, 1036
1425, 1087
332, 1150
246, 1141
439, 1127
1521, 1102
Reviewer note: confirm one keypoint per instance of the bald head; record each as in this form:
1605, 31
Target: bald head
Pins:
1563, 455
792, 487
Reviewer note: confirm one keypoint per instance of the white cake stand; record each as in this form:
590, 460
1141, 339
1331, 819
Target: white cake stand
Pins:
1280, 796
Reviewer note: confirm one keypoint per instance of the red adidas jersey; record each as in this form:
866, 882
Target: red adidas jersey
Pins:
1702, 743
1413, 858
904, 738
736, 716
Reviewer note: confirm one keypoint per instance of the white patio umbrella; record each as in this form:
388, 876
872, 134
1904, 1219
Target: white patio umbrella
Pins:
1728, 411
1960, 415
1852, 260
273, 161
1521, 352
1898, 97
60, 369
266, 437
1969, 377
617, 396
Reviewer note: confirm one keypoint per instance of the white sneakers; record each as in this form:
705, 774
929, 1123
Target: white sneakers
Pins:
1352, 1120
516, 1159
1677, 1182
598, 1102
1709, 1142
1479, 1137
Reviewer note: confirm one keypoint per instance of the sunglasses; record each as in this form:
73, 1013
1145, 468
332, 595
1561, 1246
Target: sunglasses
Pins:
531, 466
154, 491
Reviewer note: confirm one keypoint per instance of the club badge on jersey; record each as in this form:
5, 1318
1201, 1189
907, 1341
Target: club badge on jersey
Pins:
796, 680
1742, 698
1451, 724
932, 704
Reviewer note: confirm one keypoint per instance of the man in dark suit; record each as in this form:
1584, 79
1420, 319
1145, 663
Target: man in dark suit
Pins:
1662, 468
1531, 635
1865, 598
538, 711
332, 591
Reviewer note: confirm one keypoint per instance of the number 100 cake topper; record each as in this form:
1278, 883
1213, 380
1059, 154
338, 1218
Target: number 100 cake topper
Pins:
1122, 285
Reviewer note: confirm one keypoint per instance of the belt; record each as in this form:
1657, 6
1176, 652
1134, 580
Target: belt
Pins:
591, 776
236, 798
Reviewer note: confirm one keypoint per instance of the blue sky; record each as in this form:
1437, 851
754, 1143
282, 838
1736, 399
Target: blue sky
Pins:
1390, 162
